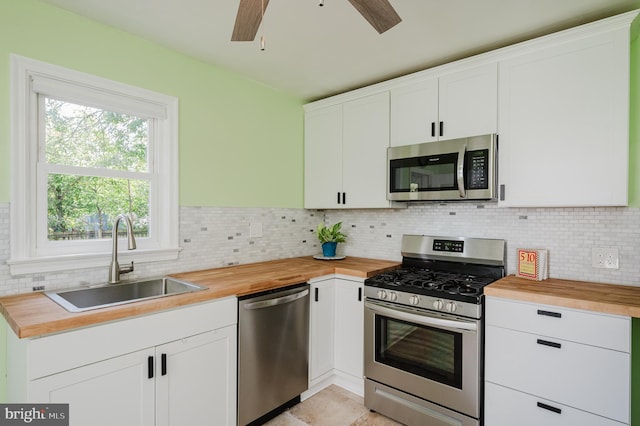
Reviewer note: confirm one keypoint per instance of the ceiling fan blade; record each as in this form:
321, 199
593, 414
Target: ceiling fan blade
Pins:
248, 19
380, 14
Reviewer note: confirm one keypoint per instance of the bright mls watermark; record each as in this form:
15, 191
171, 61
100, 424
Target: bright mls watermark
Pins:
34, 414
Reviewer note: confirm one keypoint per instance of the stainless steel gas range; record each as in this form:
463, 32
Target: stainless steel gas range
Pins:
424, 331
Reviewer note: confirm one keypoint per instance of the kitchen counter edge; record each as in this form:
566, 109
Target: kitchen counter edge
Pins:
597, 297
34, 314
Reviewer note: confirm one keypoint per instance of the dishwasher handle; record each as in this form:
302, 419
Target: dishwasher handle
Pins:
276, 301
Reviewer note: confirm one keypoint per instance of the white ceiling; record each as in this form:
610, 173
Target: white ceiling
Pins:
313, 52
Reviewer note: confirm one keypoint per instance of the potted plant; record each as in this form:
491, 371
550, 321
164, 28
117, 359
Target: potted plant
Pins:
330, 236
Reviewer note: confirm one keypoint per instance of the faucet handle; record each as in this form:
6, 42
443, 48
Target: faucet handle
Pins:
126, 269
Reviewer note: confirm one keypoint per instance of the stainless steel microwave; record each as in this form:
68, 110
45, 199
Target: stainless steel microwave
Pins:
456, 169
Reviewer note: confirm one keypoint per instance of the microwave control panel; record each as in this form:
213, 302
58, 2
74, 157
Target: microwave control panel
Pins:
477, 169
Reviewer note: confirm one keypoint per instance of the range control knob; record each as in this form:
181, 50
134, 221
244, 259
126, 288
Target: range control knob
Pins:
438, 304
393, 296
414, 300
382, 294
451, 306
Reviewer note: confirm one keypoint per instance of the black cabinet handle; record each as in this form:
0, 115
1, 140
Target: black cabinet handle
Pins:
549, 313
163, 364
316, 296
433, 129
502, 192
441, 128
344, 198
338, 198
550, 408
550, 344
359, 294
150, 367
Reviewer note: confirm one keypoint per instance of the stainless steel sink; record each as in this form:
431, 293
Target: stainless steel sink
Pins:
87, 298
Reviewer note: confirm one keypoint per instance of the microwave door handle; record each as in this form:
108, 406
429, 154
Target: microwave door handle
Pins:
460, 171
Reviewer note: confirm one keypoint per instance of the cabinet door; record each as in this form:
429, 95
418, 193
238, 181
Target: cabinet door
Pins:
564, 123
323, 157
196, 380
468, 102
364, 151
507, 407
414, 113
321, 329
349, 328
117, 391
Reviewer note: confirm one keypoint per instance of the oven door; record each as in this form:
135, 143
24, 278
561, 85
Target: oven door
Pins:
433, 356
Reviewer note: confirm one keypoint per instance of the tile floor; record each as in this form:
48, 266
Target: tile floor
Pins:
333, 406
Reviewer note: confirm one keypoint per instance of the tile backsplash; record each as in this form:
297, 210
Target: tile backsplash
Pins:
210, 237
213, 237
568, 234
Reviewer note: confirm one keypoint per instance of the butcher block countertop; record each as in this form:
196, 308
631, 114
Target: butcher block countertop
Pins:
605, 298
34, 314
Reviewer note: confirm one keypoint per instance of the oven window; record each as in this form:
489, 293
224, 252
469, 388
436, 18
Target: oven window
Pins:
425, 351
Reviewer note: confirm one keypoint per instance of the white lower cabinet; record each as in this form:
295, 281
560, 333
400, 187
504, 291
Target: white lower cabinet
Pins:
321, 320
176, 367
349, 334
111, 392
555, 366
336, 333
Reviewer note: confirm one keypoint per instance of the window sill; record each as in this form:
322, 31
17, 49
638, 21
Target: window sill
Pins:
83, 261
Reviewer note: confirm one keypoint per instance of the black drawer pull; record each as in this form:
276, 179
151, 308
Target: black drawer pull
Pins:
550, 408
549, 313
163, 364
433, 129
338, 198
359, 294
150, 367
550, 344
441, 128
316, 294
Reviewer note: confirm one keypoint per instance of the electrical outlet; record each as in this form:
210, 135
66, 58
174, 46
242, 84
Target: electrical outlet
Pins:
255, 229
605, 257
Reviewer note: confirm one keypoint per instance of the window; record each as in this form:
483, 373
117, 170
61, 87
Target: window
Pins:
85, 149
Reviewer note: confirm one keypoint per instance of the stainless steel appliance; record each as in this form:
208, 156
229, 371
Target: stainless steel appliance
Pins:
424, 331
456, 169
273, 352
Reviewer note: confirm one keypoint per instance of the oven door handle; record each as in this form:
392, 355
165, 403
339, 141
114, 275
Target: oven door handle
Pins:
421, 319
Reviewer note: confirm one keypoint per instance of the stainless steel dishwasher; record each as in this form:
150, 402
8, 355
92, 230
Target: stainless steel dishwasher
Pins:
273, 352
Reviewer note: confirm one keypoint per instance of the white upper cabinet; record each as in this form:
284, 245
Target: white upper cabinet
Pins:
564, 120
454, 105
414, 113
322, 157
346, 153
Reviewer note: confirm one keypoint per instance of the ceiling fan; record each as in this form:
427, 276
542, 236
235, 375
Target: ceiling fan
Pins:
380, 14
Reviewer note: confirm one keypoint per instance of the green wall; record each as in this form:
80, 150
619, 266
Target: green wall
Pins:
224, 117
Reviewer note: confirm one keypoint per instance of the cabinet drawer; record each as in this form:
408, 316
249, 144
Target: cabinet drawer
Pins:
507, 407
607, 331
581, 376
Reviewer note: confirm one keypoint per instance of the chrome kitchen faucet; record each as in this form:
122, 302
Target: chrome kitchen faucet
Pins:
114, 268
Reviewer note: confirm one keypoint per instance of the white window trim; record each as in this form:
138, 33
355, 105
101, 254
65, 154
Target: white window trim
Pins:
24, 258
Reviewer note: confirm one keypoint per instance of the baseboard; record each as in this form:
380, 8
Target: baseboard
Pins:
338, 378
